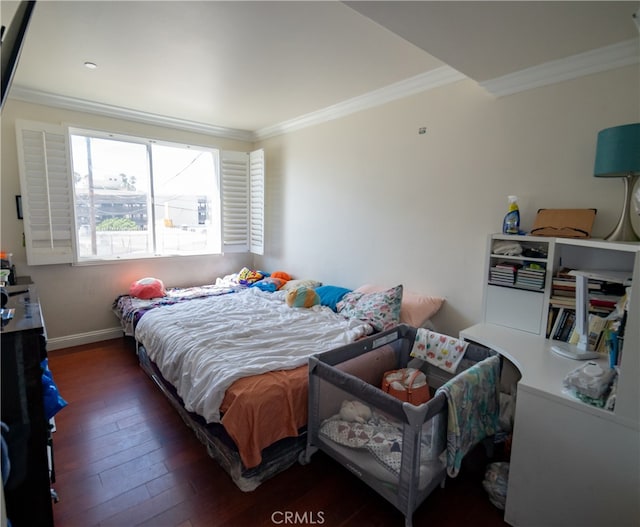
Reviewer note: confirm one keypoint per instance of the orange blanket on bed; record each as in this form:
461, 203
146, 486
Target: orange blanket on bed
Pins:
261, 409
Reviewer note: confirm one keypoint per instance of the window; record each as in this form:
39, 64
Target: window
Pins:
136, 198
121, 197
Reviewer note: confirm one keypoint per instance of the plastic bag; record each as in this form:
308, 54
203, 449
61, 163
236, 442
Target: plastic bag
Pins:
495, 483
53, 402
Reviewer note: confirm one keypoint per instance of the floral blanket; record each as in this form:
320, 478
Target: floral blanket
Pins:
381, 437
442, 351
474, 409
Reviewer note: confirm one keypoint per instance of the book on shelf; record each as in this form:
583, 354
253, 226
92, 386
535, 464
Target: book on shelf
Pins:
597, 327
564, 293
510, 266
604, 300
567, 326
561, 324
551, 318
563, 301
569, 284
504, 273
603, 296
609, 282
615, 354
611, 341
530, 277
557, 313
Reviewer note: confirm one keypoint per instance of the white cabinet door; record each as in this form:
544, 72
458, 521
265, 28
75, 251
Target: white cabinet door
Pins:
514, 308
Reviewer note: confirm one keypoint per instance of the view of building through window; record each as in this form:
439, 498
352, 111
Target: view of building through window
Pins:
143, 198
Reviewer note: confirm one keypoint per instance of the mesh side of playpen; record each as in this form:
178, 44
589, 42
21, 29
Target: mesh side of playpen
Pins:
392, 446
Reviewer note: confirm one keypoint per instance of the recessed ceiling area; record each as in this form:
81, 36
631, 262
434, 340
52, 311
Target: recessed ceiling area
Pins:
485, 40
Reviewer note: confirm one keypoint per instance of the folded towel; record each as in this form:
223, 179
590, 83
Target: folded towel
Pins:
440, 350
473, 409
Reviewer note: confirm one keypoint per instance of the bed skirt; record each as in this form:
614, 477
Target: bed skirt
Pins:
275, 459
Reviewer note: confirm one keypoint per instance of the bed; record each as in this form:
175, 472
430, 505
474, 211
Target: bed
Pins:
232, 359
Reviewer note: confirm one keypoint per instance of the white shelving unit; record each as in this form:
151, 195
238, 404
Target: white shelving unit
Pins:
515, 306
571, 463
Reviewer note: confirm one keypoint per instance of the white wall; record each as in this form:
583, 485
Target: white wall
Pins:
365, 198
76, 300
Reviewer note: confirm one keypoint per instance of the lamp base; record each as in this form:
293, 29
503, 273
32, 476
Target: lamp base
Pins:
623, 231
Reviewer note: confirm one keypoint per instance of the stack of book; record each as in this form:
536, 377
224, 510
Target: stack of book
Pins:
603, 295
603, 302
530, 277
503, 273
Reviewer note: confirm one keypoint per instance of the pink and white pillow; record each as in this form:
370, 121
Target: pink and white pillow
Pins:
415, 309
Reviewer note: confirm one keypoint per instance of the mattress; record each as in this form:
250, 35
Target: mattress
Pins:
202, 347
240, 361
274, 457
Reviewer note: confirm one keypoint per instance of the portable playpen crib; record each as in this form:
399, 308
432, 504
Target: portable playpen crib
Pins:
397, 448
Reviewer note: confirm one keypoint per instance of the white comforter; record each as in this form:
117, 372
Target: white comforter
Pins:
203, 346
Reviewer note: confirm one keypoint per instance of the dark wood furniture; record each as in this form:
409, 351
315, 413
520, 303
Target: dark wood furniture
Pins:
28, 488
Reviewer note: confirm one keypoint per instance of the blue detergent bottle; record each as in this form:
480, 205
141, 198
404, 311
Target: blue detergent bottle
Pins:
511, 223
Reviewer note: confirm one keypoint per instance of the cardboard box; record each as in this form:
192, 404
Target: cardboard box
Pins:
564, 223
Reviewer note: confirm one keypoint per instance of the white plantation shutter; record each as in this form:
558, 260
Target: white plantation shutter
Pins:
256, 202
242, 206
47, 202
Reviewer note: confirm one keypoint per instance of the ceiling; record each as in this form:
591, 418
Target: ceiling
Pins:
250, 65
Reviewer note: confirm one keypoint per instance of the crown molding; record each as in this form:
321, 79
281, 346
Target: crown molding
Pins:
609, 57
70, 103
606, 58
419, 83
425, 81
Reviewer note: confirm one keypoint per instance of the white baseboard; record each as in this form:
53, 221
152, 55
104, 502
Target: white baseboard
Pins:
84, 338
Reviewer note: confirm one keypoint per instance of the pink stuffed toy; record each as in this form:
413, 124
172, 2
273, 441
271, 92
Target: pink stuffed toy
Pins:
147, 288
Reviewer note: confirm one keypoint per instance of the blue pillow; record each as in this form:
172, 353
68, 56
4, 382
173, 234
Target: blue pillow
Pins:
330, 295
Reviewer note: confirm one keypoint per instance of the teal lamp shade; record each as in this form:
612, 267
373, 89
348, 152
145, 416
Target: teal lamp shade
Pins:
618, 151
618, 155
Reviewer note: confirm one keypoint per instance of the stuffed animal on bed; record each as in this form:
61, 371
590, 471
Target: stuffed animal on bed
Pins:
269, 284
248, 276
147, 288
355, 411
302, 297
283, 275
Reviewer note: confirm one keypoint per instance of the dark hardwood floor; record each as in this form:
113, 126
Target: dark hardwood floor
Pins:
123, 457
